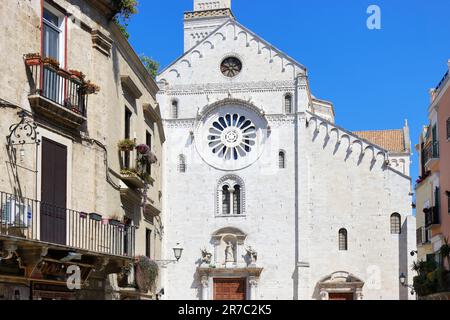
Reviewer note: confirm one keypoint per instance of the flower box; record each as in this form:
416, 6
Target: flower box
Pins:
95, 217
32, 59
83, 215
114, 222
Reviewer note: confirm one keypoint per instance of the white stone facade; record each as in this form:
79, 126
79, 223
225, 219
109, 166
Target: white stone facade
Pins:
290, 216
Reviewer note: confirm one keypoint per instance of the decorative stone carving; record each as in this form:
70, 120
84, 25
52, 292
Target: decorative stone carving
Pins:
229, 252
252, 255
206, 257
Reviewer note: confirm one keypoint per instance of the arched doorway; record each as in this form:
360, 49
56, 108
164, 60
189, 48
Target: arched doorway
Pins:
341, 286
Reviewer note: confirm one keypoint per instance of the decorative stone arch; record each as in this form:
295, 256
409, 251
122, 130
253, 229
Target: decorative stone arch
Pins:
230, 180
341, 282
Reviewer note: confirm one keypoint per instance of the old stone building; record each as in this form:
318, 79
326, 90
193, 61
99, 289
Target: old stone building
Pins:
80, 163
269, 197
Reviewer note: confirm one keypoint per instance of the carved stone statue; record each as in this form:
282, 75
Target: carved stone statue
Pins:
252, 254
206, 257
229, 252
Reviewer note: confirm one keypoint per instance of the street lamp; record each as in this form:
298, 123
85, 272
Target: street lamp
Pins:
177, 252
404, 284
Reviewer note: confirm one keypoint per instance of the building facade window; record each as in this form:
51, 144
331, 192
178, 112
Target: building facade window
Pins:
174, 110
288, 103
148, 142
53, 34
343, 240
396, 225
181, 163
282, 160
148, 243
127, 135
448, 128
230, 196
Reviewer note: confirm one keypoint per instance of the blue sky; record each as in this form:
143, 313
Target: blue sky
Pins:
375, 78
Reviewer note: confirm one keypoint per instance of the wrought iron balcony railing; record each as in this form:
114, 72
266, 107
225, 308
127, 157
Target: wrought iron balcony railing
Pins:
431, 152
28, 219
432, 217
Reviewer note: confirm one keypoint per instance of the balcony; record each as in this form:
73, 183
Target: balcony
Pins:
431, 155
58, 95
23, 219
432, 217
138, 175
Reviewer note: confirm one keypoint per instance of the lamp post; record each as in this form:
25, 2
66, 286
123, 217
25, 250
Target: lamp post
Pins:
404, 284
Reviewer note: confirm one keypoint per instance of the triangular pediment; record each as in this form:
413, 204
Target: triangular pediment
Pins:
231, 38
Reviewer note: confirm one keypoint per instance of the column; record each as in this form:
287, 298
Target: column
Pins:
253, 283
359, 294
205, 287
324, 294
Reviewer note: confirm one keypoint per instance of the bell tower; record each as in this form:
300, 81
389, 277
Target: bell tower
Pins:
207, 16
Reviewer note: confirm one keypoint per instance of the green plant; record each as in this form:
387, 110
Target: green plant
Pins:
146, 273
129, 172
151, 65
125, 9
146, 177
126, 145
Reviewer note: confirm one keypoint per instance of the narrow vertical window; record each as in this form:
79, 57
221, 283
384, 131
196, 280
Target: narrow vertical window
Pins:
148, 242
281, 160
237, 200
175, 109
182, 163
52, 35
225, 200
396, 227
288, 103
448, 128
127, 130
148, 142
343, 244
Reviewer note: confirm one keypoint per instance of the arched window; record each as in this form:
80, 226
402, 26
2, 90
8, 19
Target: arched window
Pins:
181, 163
288, 103
396, 227
230, 197
225, 200
281, 160
175, 109
237, 200
343, 244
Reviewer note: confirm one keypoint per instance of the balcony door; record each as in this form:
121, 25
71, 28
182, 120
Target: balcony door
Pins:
53, 192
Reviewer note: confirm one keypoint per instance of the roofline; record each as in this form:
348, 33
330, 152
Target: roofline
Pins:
232, 19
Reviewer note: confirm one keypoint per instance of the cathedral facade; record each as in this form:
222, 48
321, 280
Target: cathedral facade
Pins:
268, 196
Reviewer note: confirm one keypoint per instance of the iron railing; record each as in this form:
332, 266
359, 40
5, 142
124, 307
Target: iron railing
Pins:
59, 86
431, 152
432, 217
34, 220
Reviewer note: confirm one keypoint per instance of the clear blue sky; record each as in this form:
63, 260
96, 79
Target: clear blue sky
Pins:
375, 78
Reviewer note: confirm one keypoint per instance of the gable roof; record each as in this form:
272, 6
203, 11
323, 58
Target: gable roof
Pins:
254, 35
391, 140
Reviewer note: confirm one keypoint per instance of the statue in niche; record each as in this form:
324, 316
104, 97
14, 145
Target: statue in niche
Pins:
229, 252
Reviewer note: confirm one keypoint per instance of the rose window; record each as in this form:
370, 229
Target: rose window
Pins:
231, 67
232, 136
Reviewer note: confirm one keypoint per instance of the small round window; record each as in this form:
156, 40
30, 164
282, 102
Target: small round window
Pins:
231, 67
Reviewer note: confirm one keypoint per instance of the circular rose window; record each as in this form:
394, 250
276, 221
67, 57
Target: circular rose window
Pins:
231, 67
232, 136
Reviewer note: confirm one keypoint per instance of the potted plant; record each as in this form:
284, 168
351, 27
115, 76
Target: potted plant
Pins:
95, 216
49, 61
126, 145
143, 149
83, 215
32, 59
114, 220
90, 88
77, 75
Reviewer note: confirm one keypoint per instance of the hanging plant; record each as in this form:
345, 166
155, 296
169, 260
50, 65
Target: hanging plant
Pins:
90, 88
143, 149
146, 272
77, 74
126, 145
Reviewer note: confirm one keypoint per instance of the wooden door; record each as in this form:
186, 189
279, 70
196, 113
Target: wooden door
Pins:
340, 296
230, 289
53, 192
